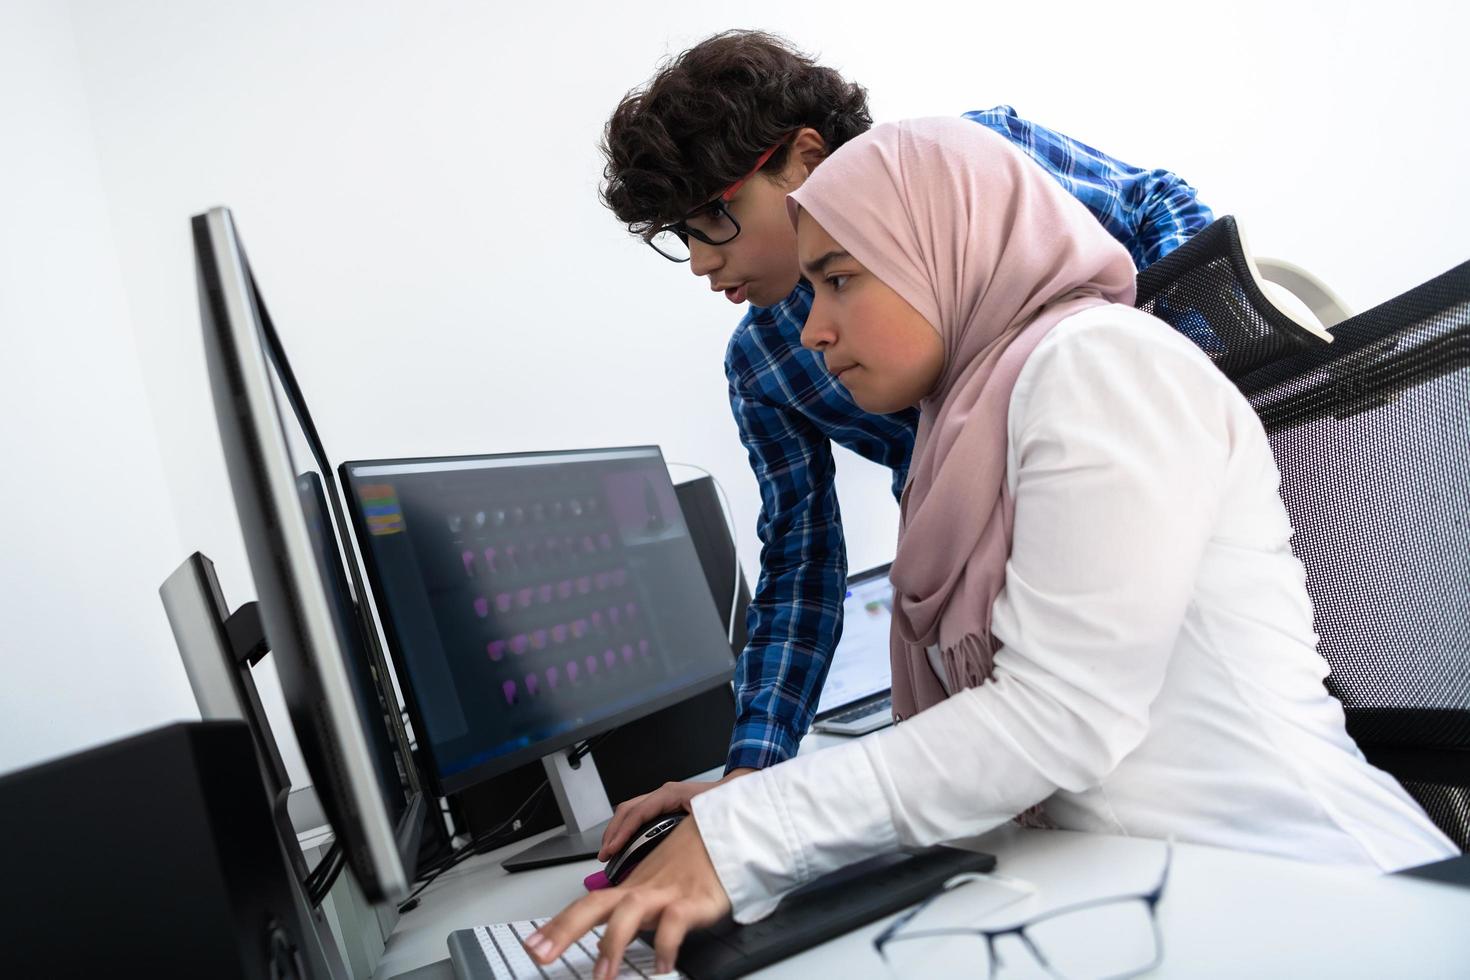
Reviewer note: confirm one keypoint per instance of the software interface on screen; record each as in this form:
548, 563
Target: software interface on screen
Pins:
860, 666
530, 596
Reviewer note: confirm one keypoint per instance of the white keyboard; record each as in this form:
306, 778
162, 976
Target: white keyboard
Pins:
502, 956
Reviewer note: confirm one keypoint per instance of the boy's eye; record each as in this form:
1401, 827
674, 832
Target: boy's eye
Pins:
837, 281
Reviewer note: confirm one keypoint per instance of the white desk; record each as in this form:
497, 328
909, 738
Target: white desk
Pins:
1224, 914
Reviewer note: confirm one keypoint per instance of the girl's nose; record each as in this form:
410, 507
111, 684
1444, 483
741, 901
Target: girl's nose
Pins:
818, 333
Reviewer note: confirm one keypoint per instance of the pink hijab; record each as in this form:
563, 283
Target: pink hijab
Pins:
994, 253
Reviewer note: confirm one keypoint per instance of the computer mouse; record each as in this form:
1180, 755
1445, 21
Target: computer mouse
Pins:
640, 845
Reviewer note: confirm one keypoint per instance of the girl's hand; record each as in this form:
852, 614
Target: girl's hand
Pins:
668, 798
673, 890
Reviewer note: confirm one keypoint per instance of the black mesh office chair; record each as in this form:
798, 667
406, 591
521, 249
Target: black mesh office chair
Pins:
1371, 433
1211, 291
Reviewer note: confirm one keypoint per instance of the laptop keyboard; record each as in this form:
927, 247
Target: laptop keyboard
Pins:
883, 707
508, 959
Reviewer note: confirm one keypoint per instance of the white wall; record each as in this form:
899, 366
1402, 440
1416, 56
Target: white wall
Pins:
86, 529
416, 186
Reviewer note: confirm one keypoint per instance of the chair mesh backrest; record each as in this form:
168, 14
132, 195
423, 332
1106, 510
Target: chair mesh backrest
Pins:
1371, 434
1372, 437
1205, 290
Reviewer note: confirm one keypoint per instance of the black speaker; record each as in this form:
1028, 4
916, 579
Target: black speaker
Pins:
692, 736
152, 856
716, 550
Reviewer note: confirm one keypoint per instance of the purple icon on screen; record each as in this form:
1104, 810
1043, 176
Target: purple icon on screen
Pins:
509, 687
469, 563
538, 639
591, 666
544, 594
519, 643
496, 649
503, 601
552, 676
611, 658
643, 647
579, 628
627, 653
572, 671
533, 683
559, 633
482, 607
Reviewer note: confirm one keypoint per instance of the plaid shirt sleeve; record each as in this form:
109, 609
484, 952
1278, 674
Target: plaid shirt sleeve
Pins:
795, 617
1151, 212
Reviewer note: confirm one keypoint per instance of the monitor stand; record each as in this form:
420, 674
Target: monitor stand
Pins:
218, 649
584, 809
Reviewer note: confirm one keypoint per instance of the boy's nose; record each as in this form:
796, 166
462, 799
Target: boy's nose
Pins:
703, 259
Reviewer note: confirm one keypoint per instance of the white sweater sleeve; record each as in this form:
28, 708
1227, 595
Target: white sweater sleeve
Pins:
1119, 437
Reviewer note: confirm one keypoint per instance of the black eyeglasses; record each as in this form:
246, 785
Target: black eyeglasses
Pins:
711, 223
1102, 939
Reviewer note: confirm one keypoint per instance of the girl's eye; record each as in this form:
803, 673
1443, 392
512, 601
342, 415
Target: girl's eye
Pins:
836, 282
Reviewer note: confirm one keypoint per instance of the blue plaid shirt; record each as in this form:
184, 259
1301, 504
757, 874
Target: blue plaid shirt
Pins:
790, 411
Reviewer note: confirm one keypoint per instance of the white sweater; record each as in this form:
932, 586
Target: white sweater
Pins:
1158, 672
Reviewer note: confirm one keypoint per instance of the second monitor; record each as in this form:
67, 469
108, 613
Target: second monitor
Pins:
534, 600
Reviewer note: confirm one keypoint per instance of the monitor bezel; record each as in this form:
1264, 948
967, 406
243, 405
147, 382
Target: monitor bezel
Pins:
308, 659
463, 779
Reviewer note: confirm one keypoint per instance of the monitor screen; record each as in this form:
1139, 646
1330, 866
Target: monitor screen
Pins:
534, 600
860, 666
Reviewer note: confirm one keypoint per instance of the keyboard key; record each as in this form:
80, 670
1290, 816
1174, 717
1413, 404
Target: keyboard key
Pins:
582, 956
492, 955
508, 960
639, 956
559, 970
519, 961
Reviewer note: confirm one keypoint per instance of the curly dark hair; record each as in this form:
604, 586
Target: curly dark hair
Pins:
707, 116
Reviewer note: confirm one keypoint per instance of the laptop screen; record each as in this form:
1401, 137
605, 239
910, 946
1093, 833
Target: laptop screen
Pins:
860, 666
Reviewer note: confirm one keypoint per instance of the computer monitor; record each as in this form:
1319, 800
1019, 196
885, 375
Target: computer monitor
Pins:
533, 600
316, 643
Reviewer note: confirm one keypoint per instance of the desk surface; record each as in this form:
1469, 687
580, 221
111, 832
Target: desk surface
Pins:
1225, 913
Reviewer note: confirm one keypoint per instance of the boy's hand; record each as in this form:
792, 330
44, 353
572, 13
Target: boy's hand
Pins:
674, 890
668, 798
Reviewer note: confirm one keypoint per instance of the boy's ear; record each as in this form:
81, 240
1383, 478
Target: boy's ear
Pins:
809, 148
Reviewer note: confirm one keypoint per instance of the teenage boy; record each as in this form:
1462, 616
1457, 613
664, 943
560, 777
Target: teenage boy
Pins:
699, 163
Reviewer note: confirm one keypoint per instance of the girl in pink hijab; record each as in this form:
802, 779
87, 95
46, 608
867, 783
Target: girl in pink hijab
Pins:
1098, 618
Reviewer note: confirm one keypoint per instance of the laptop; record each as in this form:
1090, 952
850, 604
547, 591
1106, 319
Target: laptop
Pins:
857, 697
